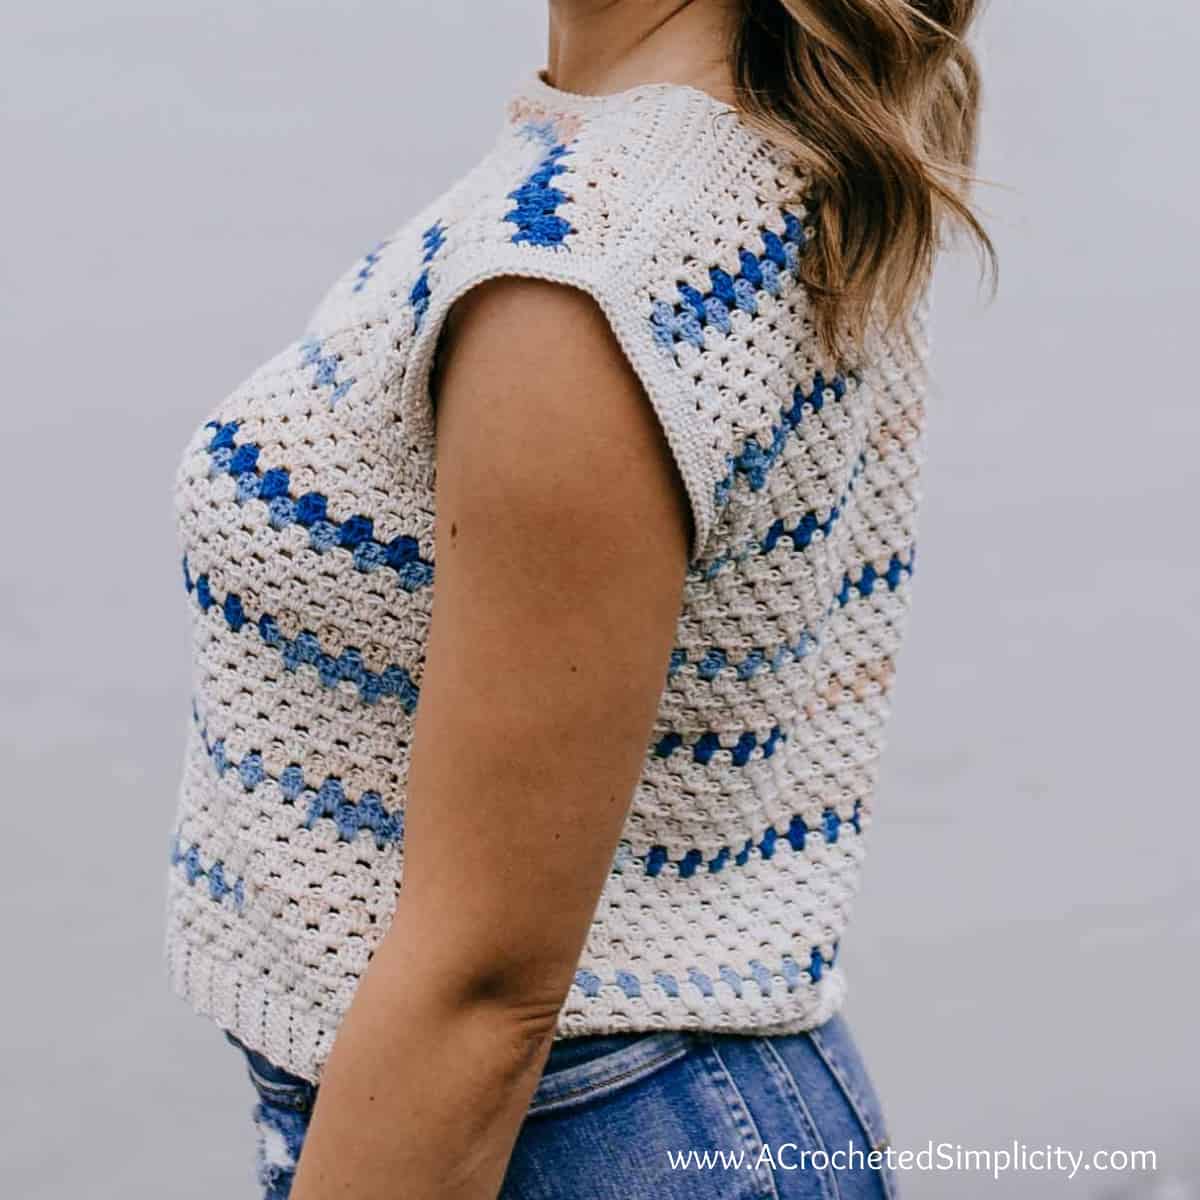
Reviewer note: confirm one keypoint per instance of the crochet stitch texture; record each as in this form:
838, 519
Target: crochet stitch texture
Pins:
306, 514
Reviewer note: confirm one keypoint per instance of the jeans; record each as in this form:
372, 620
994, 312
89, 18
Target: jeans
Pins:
661, 1115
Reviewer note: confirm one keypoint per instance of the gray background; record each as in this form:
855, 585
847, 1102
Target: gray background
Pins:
181, 182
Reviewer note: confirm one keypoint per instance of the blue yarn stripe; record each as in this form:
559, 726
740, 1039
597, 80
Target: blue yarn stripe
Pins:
325, 367
370, 261
694, 311
326, 800
537, 200
273, 487
709, 744
800, 534
867, 579
432, 240
673, 984
712, 664
306, 647
211, 875
657, 858
754, 461
542, 130
715, 662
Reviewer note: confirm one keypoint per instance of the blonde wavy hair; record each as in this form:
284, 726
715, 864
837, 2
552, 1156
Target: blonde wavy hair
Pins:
878, 103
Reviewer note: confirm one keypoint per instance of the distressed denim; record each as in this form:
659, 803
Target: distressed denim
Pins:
615, 1117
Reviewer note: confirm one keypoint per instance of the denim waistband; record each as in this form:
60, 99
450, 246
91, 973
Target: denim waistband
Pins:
575, 1068
593, 1066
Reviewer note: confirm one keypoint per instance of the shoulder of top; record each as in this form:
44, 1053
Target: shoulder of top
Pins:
656, 138
666, 165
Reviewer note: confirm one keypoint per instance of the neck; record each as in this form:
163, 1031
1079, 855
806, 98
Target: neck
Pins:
602, 46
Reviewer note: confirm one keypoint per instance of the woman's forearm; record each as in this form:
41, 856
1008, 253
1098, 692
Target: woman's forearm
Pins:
426, 1086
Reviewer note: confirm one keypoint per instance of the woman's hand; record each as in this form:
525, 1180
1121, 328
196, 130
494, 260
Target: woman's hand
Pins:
561, 547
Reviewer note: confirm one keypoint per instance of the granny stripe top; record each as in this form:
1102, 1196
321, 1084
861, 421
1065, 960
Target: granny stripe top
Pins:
306, 507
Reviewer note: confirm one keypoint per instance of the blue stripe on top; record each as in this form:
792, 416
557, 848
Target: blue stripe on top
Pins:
754, 461
432, 240
305, 647
537, 199
800, 533
714, 662
673, 984
694, 311
328, 800
658, 858
860, 582
325, 370
707, 745
868, 578
355, 534
370, 261
189, 857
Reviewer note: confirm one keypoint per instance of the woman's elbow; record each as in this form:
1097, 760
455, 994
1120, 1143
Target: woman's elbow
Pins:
524, 997
519, 991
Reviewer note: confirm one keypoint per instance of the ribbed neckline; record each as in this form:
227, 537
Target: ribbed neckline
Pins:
536, 89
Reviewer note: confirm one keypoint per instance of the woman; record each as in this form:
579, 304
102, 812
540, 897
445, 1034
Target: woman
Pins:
656, 364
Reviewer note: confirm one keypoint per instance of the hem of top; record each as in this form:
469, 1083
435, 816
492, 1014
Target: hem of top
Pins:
668, 395
300, 1044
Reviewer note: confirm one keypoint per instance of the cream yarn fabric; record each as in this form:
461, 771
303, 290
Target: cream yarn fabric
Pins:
306, 512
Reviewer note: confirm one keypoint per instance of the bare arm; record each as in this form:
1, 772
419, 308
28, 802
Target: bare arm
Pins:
561, 548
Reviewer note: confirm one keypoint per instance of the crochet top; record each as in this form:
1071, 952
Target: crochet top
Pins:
306, 508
